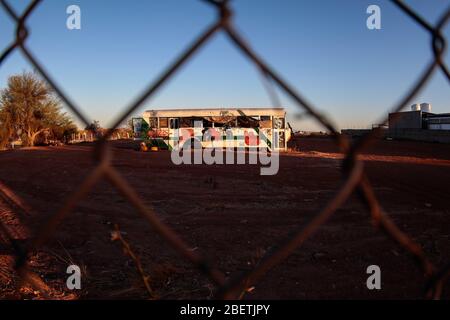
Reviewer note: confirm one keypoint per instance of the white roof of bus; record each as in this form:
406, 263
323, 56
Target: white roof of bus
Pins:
215, 112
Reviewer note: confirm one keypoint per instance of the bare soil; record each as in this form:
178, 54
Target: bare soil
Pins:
231, 214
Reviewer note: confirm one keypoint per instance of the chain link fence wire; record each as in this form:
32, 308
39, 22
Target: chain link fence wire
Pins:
355, 179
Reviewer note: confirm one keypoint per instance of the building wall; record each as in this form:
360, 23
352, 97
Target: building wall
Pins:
439, 126
438, 122
355, 133
405, 120
442, 136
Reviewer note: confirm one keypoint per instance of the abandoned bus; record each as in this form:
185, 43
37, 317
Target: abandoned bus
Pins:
216, 128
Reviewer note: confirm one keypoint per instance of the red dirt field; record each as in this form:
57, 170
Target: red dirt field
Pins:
232, 215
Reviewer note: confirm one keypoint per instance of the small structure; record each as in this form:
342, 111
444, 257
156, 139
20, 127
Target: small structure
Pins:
437, 121
406, 120
172, 127
420, 117
419, 124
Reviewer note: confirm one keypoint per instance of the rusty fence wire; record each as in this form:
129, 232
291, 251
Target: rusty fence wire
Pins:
354, 177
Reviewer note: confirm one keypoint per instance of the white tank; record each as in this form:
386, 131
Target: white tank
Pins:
415, 107
425, 107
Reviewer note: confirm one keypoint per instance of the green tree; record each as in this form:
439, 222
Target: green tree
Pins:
28, 109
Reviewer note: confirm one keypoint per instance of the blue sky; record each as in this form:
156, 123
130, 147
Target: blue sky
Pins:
323, 48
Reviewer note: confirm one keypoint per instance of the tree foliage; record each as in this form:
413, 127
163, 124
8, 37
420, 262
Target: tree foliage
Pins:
29, 110
93, 126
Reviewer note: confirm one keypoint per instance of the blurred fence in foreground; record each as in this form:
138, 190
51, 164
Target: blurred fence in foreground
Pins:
354, 177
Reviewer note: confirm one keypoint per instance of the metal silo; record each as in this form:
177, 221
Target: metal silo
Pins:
415, 107
425, 107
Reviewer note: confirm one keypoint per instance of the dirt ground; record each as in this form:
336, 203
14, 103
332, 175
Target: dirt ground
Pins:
229, 213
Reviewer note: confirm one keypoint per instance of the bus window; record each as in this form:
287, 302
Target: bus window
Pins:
265, 122
207, 123
278, 123
163, 123
153, 122
186, 122
198, 123
174, 123
247, 122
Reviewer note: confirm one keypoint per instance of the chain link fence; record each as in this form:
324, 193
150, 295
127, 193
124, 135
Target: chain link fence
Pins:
355, 179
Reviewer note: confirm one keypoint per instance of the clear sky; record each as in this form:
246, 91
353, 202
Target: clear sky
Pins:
323, 48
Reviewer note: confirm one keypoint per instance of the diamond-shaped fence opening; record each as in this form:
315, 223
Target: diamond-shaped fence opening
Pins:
355, 179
